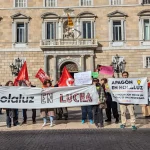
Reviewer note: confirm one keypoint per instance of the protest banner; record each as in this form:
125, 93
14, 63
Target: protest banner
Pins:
95, 74
107, 70
35, 98
41, 75
83, 78
129, 90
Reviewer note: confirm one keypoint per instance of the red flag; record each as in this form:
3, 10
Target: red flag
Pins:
41, 75
66, 78
22, 75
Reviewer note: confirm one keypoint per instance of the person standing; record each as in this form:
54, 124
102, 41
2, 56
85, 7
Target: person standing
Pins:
111, 105
123, 109
146, 108
87, 110
98, 109
47, 111
24, 111
10, 113
33, 110
61, 112
0, 108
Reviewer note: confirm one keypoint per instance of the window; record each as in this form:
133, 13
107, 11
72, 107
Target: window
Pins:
117, 31
86, 2
145, 1
50, 32
21, 36
116, 2
50, 3
146, 29
20, 3
146, 62
88, 29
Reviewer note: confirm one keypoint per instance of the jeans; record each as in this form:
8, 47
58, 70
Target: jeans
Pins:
87, 110
9, 116
98, 114
33, 114
24, 111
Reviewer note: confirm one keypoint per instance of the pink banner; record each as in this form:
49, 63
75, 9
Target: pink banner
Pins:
107, 70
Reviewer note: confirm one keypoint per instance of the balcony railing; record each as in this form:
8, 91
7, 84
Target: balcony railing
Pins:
68, 42
146, 2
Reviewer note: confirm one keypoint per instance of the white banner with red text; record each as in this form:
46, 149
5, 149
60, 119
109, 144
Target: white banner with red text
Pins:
129, 90
54, 97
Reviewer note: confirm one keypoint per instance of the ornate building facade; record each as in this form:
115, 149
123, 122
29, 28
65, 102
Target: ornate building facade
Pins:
35, 31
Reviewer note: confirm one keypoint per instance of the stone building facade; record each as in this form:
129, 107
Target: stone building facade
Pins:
34, 30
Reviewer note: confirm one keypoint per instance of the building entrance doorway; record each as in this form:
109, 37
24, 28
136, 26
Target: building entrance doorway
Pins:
71, 67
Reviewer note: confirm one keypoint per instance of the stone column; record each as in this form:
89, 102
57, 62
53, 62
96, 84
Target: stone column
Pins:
45, 63
82, 63
55, 69
92, 62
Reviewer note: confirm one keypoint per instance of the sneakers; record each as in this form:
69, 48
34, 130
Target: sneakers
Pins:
44, 124
91, 121
82, 121
134, 128
51, 124
122, 126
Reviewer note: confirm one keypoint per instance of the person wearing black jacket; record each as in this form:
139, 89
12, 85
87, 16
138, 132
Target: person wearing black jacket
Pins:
111, 105
24, 111
33, 110
60, 112
10, 113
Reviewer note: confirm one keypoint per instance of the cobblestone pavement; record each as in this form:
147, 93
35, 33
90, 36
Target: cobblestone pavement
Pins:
91, 139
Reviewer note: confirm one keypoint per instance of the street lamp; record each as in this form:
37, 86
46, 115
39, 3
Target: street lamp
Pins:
119, 66
15, 68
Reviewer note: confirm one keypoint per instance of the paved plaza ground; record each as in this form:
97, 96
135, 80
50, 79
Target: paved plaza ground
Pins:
72, 135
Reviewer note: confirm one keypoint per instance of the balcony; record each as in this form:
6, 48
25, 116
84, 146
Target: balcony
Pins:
69, 43
145, 2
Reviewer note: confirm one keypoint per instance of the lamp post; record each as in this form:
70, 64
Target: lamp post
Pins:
119, 66
15, 68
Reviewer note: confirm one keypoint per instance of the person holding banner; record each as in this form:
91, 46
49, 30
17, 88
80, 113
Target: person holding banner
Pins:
146, 108
33, 110
111, 105
98, 109
0, 108
123, 109
10, 113
24, 111
47, 111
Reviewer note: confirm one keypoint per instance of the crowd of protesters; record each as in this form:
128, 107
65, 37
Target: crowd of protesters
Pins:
93, 113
